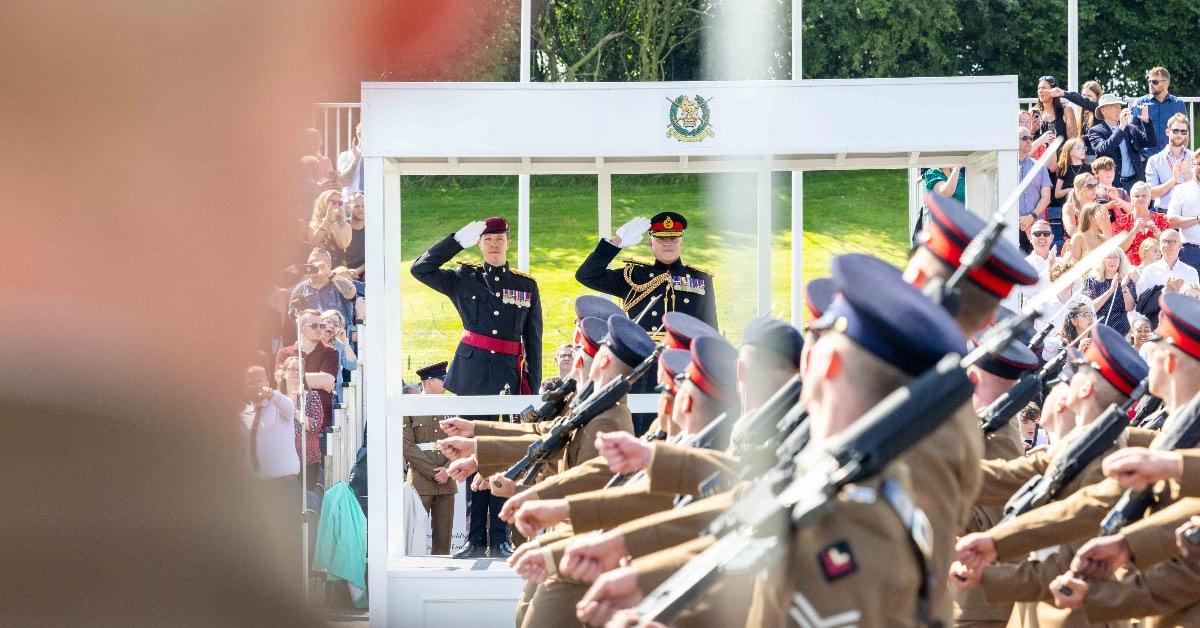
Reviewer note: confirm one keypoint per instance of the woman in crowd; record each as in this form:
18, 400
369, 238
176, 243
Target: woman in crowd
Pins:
328, 227
1091, 91
1142, 222
310, 409
1031, 433
1077, 322
1149, 253
1112, 197
333, 334
947, 182
1112, 291
1070, 167
1093, 230
1083, 191
1054, 115
1139, 334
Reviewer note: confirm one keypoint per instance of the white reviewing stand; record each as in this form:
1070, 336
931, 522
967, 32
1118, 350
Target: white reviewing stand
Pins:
513, 129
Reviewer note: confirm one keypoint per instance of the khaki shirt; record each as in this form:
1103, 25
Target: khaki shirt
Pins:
496, 453
421, 434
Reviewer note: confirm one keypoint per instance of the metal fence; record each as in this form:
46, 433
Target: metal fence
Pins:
336, 122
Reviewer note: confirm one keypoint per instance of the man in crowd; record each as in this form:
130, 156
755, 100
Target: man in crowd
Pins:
563, 359
1035, 198
1041, 259
1169, 167
321, 362
1160, 105
322, 289
1122, 136
427, 464
1169, 272
1183, 213
355, 255
350, 165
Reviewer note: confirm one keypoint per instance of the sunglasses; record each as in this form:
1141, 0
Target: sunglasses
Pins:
1155, 81
1179, 131
1041, 234
316, 326
1169, 241
1026, 138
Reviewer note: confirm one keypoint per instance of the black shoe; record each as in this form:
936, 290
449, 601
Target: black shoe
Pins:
503, 551
470, 550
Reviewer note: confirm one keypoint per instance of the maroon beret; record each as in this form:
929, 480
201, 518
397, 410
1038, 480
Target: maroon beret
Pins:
495, 224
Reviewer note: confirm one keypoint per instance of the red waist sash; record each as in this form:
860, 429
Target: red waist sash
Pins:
500, 345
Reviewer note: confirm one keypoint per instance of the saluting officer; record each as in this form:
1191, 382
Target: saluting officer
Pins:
681, 288
501, 312
427, 464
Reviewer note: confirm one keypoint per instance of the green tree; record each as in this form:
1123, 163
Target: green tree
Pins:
878, 38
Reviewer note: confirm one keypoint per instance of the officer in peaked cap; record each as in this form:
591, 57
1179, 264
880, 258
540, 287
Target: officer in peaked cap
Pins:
596, 306
427, 465
500, 310
681, 288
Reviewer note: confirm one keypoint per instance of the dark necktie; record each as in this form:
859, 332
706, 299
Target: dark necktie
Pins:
254, 436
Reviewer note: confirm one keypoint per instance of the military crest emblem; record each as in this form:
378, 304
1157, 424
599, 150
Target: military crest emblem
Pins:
690, 119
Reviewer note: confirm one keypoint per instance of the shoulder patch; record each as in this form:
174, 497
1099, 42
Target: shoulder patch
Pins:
837, 561
630, 260
521, 274
697, 269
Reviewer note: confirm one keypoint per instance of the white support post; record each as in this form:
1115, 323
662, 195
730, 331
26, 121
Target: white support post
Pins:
1007, 178
763, 190
378, 341
797, 293
1073, 45
914, 200
523, 222
604, 202
526, 30
797, 248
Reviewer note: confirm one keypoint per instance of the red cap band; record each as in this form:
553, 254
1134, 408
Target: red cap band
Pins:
1185, 342
949, 251
697, 377
1102, 363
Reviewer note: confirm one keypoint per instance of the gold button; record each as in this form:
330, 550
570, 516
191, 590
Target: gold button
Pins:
494, 332
496, 312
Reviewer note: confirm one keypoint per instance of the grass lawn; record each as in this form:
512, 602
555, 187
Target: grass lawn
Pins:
863, 211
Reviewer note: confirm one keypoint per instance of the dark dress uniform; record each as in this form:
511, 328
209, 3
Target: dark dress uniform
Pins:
680, 288
501, 345
501, 314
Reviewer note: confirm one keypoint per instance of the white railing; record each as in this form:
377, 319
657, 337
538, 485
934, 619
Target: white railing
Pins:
336, 122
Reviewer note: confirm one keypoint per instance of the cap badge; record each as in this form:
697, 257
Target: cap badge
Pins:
668, 223
689, 119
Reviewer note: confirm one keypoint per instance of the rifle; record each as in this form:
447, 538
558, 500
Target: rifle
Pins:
998, 413
549, 446
757, 428
1184, 434
1091, 444
1037, 342
1157, 420
553, 401
1147, 411
752, 530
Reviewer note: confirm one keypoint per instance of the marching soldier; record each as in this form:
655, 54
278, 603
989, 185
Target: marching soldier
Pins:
650, 290
500, 347
427, 465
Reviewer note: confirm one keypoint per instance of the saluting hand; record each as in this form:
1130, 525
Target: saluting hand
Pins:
613, 591
462, 469
456, 447
631, 232
624, 452
468, 235
1100, 557
976, 550
1077, 587
587, 557
457, 426
539, 514
1139, 467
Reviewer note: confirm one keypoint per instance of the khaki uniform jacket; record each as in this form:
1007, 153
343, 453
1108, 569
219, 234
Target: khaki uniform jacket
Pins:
499, 452
679, 469
420, 434
590, 475
853, 566
1189, 481
1003, 444
1167, 594
945, 474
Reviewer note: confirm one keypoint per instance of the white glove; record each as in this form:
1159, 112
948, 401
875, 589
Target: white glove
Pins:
631, 232
468, 236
